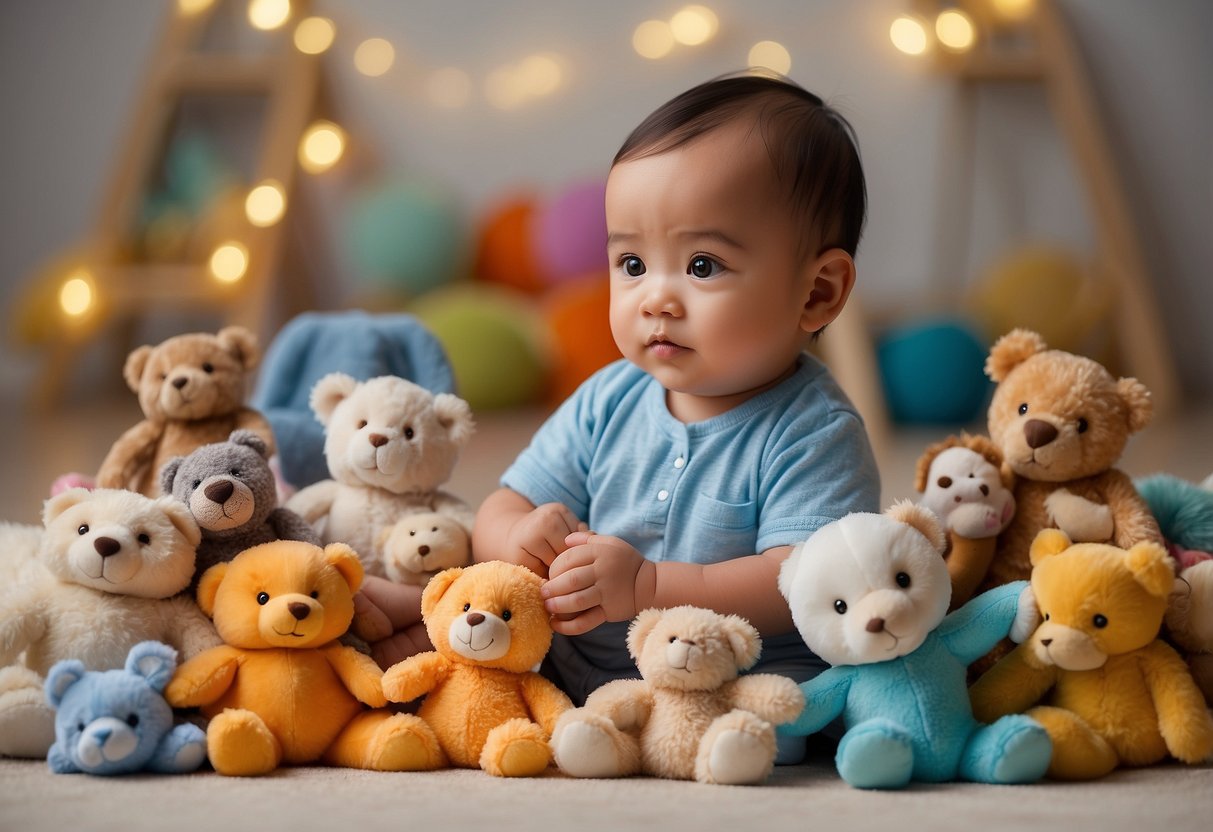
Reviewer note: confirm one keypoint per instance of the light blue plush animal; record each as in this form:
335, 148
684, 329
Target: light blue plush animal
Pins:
116, 721
869, 594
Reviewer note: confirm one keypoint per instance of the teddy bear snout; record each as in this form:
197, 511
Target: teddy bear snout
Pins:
107, 546
423, 550
874, 625
180, 381
378, 440
219, 491
299, 610
1038, 433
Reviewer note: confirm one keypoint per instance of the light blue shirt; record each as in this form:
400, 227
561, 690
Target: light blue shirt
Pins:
767, 473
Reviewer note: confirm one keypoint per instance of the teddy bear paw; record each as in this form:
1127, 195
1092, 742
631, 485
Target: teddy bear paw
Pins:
240, 744
586, 748
405, 743
739, 758
516, 748
27, 724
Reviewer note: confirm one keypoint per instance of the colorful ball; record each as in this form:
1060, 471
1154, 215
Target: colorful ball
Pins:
505, 251
407, 237
570, 232
579, 322
933, 373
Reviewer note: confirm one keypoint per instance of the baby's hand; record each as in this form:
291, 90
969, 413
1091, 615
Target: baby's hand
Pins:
592, 582
538, 537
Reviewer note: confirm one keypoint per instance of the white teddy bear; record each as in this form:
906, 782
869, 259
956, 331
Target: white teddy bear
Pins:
109, 569
389, 445
419, 546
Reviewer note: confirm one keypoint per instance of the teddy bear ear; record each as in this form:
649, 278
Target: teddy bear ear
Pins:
922, 520
437, 587
61, 502
1151, 567
640, 629
178, 513
345, 560
1011, 350
329, 392
743, 639
132, 370
242, 344
249, 439
455, 415
208, 588
168, 473
1136, 397
154, 661
63, 675
1048, 542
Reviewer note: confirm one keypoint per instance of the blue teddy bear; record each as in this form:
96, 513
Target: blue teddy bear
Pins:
869, 594
117, 721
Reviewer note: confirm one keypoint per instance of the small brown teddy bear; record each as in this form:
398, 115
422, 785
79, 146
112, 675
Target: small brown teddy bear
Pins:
191, 389
1061, 422
690, 717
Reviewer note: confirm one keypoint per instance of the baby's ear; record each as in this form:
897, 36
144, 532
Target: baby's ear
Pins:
830, 278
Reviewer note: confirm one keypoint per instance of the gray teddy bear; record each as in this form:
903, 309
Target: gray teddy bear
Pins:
230, 490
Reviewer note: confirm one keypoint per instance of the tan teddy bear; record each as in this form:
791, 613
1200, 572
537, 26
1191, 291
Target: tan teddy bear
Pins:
191, 389
690, 717
419, 546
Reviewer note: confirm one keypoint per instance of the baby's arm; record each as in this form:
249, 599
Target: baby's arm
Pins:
601, 578
508, 527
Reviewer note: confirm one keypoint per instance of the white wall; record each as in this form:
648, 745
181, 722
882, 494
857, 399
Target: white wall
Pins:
69, 70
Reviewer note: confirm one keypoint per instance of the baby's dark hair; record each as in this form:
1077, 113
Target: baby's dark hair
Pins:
812, 147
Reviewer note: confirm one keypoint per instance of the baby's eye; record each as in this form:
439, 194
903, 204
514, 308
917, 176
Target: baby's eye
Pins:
633, 266
704, 267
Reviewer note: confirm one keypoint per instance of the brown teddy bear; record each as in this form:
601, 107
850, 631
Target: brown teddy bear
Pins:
690, 717
191, 389
1061, 422
483, 705
282, 689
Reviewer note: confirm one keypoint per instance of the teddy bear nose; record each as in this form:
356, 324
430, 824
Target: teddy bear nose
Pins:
180, 381
1038, 433
219, 491
299, 609
377, 439
1046, 641
474, 618
423, 550
106, 546
874, 625
985, 490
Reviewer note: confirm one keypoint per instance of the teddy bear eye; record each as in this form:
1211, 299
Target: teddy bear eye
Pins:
144, 538
83, 529
673, 639
361, 424
263, 598
944, 482
506, 615
412, 532
434, 529
235, 472
840, 607
408, 433
467, 607
1023, 409
208, 367
1046, 616
79, 726
1082, 425
315, 593
132, 720
903, 580
1100, 620
197, 483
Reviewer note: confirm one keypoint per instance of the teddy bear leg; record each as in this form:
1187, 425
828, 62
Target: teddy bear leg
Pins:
877, 754
1015, 749
737, 749
382, 741
516, 748
589, 745
241, 745
182, 749
1078, 752
27, 723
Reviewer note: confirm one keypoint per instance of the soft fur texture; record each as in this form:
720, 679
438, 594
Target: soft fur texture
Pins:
116, 721
419, 546
484, 706
191, 389
967, 483
282, 690
390, 444
1184, 510
109, 569
690, 716
230, 491
1112, 692
1189, 621
869, 594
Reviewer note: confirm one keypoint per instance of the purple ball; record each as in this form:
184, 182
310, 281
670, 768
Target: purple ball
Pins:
570, 233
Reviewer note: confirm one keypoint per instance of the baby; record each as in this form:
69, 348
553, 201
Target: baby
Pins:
685, 473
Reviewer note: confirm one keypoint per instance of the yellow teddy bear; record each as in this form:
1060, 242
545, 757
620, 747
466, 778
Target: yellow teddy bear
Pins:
1112, 692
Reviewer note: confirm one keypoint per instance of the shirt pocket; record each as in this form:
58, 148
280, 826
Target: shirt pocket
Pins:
723, 515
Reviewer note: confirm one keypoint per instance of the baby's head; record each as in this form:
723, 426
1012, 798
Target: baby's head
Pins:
733, 214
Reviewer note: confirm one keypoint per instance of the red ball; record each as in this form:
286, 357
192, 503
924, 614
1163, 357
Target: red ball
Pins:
578, 317
505, 253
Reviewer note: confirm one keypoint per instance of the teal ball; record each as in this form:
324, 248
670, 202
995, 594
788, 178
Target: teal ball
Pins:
933, 373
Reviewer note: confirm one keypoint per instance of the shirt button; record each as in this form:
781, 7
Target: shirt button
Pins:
678, 463
663, 495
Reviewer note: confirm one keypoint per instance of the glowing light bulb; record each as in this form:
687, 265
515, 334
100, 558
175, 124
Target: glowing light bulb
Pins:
449, 87
1014, 10
955, 31
229, 262
191, 7
76, 294
321, 147
314, 35
653, 39
770, 55
268, 15
909, 35
265, 204
693, 25
539, 74
374, 56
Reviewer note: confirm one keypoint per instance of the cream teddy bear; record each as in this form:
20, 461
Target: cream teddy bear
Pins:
389, 444
419, 546
691, 716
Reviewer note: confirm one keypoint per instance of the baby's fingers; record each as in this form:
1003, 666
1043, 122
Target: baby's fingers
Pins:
580, 624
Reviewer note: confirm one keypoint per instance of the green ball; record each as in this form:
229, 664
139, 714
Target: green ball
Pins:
490, 338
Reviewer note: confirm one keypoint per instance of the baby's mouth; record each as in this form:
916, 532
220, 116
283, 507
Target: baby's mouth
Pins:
661, 345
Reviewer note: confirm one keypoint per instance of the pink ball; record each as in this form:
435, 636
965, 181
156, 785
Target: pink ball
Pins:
570, 232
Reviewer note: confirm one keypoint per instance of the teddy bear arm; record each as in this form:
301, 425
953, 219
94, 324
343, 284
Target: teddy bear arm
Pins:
130, 453
1132, 520
204, 678
315, 501
825, 698
20, 626
188, 629
974, 629
545, 701
249, 419
1082, 520
626, 702
415, 676
288, 525
776, 699
358, 672
968, 562
181, 750
1183, 718
59, 762
1014, 684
